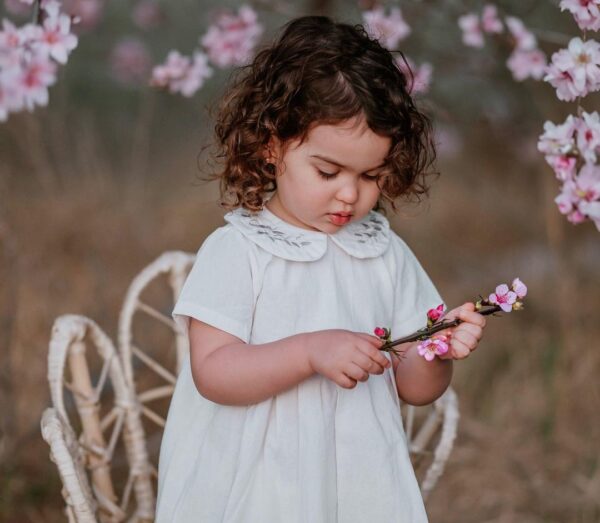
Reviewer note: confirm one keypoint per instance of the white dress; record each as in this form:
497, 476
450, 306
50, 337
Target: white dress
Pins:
316, 453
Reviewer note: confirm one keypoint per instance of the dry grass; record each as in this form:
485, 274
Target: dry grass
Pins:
527, 448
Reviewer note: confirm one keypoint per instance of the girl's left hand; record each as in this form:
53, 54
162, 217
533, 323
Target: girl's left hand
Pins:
464, 338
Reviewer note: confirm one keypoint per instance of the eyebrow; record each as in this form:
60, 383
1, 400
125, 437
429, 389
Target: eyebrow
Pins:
334, 162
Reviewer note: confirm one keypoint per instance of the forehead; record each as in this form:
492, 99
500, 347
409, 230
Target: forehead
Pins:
351, 143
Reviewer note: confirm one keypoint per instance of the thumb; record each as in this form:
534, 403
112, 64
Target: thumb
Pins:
454, 313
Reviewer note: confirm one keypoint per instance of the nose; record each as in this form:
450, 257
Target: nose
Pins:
348, 191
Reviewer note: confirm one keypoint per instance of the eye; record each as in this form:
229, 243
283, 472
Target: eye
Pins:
326, 175
370, 177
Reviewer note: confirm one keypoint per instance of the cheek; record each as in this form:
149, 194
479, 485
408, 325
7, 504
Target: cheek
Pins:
371, 191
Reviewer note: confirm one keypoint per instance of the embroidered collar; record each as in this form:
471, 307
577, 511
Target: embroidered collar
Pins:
367, 238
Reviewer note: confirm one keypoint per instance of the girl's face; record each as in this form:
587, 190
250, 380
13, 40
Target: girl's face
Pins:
334, 171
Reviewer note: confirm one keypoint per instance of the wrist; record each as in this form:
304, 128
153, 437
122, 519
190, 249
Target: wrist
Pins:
304, 341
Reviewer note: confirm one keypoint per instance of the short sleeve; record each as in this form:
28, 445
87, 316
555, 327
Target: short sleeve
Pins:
219, 289
414, 292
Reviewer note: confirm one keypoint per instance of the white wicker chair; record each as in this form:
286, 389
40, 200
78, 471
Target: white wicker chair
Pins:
104, 434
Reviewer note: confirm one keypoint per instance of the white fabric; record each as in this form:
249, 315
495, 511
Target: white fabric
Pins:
317, 453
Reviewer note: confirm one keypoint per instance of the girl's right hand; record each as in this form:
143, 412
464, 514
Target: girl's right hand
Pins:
345, 357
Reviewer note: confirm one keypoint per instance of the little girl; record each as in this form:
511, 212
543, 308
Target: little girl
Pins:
286, 411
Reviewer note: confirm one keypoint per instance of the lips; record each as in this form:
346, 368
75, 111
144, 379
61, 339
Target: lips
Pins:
340, 218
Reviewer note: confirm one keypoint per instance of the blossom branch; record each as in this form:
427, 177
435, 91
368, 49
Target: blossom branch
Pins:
427, 332
503, 299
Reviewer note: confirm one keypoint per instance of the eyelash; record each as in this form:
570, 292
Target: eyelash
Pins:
329, 176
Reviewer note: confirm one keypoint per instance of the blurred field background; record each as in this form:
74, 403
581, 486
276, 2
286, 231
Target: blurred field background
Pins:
103, 180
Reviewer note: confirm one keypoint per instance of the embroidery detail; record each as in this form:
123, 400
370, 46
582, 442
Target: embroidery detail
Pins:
371, 228
274, 234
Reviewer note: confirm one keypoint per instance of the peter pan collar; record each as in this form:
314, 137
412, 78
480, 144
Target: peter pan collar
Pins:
366, 238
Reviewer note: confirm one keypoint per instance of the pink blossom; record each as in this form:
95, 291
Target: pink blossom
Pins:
472, 34
565, 199
524, 39
56, 39
592, 211
588, 136
11, 37
437, 313
174, 68
519, 288
575, 71
420, 75
147, 14
585, 12
503, 297
588, 183
389, 30
490, 21
558, 139
199, 71
130, 61
232, 38
181, 74
576, 217
527, 64
11, 100
578, 195
432, 347
34, 79
563, 166
52, 8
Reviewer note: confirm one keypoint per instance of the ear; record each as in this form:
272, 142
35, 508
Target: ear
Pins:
272, 151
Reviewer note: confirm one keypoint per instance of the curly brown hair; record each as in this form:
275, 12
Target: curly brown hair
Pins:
319, 72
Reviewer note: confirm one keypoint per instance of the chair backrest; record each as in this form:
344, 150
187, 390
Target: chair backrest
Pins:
105, 433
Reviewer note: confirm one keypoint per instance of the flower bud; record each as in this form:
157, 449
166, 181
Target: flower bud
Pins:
435, 314
519, 288
379, 332
517, 306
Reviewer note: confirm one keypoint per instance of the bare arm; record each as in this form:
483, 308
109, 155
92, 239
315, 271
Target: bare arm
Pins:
231, 372
420, 382
228, 371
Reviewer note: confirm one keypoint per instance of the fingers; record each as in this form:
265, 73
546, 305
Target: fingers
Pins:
473, 317
474, 330
355, 372
367, 364
373, 340
371, 350
346, 382
466, 312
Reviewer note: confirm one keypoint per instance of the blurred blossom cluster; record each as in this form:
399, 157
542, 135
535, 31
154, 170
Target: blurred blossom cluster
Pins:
390, 30
571, 148
229, 41
585, 12
29, 56
526, 59
130, 61
575, 71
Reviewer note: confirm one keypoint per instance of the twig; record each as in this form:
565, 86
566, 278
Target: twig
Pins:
427, 332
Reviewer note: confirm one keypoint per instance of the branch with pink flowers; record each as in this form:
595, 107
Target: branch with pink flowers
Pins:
29, 56
570, 148
231, 38
503, 299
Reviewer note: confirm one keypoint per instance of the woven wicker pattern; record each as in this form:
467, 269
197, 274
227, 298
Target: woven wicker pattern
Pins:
83, 428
